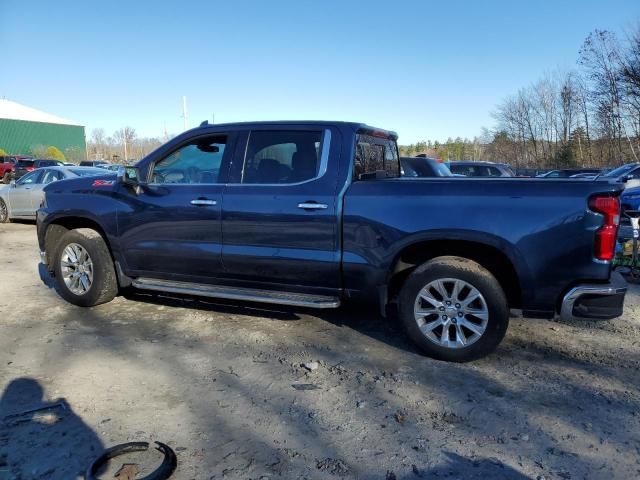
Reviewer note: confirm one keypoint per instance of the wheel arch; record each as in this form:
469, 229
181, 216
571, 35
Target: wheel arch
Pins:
61, 225
487, 255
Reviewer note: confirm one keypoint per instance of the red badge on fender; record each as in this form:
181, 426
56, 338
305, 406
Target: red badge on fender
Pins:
103, 183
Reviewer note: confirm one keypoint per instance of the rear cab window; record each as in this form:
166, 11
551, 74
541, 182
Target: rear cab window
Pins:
376, 156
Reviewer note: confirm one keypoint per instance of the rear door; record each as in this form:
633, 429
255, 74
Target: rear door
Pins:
171, 229
280, 217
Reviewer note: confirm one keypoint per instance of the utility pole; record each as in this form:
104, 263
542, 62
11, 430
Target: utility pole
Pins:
184, 112
124, 140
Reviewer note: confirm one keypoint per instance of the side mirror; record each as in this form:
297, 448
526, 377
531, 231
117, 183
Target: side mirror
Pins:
626, 178
130, 176
12, 183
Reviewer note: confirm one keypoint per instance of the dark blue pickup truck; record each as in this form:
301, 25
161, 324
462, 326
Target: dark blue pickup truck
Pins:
315, 213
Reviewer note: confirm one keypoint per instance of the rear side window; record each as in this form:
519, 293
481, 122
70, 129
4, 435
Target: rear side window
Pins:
282, 157
50, 176
375, 154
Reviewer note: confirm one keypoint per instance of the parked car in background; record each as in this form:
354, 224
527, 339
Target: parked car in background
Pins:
315, 213
111, 167
423, 167
23, 197
481, 169
630, 199
570, 172
25, 166
7, 167
629, 174
529, 172
94, 163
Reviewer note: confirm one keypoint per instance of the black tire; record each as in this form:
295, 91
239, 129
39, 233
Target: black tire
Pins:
476, 276
6, 179
104, 286
4, 212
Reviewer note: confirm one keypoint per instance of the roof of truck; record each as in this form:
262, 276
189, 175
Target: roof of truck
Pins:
353, 125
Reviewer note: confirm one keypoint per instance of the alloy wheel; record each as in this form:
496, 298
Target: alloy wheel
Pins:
451, 313
77, 269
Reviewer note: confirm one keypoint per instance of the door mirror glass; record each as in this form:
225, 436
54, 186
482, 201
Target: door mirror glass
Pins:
129, 176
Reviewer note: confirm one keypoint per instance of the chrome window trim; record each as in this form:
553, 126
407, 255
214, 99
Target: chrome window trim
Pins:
324, 161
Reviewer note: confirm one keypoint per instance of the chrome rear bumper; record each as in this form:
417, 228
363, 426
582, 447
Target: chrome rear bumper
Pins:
595, 301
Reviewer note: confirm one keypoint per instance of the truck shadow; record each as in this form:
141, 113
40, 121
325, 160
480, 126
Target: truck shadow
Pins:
361, 318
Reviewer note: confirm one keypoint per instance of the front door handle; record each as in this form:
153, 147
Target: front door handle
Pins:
312, 206
203, 202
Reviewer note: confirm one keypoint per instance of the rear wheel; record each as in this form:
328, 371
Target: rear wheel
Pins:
4, 212
454, 309
85, 275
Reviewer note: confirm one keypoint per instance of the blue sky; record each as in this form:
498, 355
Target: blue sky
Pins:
429, 70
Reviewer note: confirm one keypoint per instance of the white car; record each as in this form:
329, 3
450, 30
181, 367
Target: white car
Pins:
22, 198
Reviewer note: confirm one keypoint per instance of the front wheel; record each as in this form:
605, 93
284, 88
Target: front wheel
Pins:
454, 309
84, 271
6, 179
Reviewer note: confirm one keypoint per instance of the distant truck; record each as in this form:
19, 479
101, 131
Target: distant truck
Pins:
314, 214
7, 167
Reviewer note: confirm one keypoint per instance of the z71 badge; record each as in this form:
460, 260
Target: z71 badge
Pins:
103, 183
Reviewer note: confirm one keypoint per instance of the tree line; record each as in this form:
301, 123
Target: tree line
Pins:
586, 116
123, 146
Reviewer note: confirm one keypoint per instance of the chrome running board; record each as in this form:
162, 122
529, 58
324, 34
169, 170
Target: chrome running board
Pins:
235, 293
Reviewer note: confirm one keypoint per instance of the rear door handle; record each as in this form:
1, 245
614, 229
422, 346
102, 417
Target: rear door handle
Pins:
312, 206
203, 202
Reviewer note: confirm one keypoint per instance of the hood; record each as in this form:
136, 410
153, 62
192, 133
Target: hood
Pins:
84, 184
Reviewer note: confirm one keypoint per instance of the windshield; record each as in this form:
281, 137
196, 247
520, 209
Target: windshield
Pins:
87, 172
25, 163
617, 172
441, 169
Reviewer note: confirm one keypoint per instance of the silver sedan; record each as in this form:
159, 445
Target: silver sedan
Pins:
23, 197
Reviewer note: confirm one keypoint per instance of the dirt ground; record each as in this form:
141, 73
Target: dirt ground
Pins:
222, 383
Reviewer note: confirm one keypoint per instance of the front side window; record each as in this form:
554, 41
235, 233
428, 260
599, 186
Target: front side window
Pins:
282, 157
30, 178
197, 162
376, 154
462, 170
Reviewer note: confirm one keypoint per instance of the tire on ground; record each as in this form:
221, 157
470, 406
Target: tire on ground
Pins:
472, 273
6, 218
105, 285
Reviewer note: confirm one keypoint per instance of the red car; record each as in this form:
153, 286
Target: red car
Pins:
8, 165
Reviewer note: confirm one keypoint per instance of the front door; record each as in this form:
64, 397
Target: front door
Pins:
21, 193
280, 221
171, 228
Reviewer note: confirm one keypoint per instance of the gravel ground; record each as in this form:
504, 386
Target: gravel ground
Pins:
224, 385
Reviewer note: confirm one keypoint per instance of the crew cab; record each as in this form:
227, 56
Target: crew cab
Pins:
314, 214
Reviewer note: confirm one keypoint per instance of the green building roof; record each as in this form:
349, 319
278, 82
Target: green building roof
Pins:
26, 131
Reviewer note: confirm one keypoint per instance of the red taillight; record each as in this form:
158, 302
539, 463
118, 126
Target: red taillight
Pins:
605, 241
